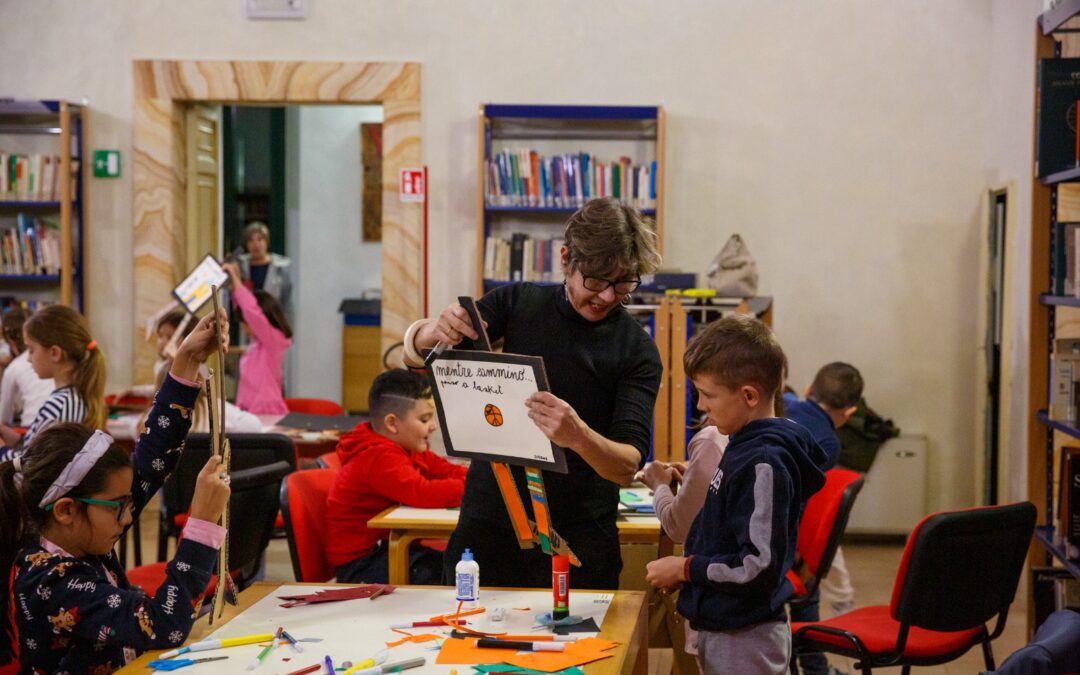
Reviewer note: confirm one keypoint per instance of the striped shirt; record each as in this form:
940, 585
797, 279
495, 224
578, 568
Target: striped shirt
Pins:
63, 405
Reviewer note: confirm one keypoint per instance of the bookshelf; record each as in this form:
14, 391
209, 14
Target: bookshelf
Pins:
42, 202
1053, 204
538, 163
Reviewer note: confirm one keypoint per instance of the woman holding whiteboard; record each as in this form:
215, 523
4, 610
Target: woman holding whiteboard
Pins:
604, 373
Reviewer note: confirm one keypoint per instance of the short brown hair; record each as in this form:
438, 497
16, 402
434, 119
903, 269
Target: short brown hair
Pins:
14, 319
838, 385
737, 350
604, 237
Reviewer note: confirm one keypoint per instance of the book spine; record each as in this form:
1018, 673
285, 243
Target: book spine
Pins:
517, 256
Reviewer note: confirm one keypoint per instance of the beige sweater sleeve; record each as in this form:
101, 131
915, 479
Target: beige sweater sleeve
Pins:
677, 511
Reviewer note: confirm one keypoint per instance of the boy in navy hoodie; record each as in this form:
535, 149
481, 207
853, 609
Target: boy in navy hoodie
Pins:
742, 543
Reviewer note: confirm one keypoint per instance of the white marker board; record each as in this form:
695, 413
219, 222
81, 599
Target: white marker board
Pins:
480, 398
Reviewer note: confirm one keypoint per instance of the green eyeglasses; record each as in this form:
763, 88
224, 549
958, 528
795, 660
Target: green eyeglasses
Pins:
122, 505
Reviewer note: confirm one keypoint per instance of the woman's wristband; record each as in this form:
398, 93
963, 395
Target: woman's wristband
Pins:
411, 355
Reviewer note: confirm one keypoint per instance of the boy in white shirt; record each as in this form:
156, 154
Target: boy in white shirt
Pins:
20, 388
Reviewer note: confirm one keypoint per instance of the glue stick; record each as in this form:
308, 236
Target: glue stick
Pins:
560, 586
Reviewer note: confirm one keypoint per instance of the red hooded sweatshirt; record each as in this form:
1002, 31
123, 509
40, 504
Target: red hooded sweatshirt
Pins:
377, 473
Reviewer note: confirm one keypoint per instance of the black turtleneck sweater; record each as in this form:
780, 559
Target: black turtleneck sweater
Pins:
609, 372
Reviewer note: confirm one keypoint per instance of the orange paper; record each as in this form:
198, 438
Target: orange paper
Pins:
418, 639
456, 651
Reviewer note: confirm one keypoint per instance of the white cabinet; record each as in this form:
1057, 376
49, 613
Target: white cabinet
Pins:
893, 498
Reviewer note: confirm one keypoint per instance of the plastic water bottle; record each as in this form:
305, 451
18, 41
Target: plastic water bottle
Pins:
467, 577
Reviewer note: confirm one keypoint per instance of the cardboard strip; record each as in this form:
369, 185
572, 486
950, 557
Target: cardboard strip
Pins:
514, 506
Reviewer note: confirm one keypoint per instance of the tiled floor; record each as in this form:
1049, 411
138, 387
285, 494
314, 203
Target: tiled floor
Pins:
872, 568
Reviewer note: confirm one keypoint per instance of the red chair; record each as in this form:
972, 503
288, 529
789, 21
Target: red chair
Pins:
823, 523
330, 460
314, 406
960, 569
303, 502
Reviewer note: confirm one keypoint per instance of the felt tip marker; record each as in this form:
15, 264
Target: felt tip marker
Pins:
528, 646
393, 667
329, 665
520, 638
293, 642
424, 624
204, 645
257, 661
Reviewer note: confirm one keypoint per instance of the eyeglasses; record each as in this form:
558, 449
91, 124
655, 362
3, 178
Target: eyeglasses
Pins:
622, 287
123, 505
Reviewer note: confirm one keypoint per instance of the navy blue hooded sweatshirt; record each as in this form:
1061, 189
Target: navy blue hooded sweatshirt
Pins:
742, 543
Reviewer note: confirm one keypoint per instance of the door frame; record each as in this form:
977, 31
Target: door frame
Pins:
163, 88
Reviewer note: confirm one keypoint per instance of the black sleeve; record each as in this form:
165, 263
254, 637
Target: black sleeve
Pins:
635, 400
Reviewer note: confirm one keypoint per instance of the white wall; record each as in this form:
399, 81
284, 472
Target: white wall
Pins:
850, 142
323, 238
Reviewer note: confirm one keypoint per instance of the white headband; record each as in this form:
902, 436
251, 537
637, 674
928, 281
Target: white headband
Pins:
78, 467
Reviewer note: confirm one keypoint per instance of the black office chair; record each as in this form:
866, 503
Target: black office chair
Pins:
248, 450
253, 506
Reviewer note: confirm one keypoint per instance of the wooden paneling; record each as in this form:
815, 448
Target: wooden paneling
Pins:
164, 88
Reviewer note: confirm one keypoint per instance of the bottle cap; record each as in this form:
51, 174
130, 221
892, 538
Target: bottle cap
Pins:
560, 563
467, 555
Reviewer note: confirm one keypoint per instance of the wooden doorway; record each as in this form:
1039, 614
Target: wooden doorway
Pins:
164, 89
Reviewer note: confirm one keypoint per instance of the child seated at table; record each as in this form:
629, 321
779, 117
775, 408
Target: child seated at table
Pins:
384, 463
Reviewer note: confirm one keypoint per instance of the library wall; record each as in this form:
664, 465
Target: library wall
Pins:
846, 141
323, 233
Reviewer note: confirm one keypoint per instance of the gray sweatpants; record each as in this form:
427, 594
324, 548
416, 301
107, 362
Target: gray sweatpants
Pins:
761, 649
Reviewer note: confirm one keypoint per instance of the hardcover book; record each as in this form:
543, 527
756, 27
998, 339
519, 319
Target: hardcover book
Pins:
1059, 90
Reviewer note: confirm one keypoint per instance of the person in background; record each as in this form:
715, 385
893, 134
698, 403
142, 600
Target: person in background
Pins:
59, 346
263, 320
831, 400
262, 270
21, 390
386, 462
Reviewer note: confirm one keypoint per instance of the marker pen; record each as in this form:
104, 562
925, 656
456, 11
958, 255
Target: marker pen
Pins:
528, 646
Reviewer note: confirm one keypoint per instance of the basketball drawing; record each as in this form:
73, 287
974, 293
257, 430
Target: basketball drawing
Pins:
493, 415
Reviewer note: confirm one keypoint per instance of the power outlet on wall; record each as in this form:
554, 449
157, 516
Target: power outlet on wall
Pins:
275, 9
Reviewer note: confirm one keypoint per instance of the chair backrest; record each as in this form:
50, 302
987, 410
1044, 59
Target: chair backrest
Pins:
961, 568
303, 504
314, 406
253, 507
329, 460
248, 450
824, 520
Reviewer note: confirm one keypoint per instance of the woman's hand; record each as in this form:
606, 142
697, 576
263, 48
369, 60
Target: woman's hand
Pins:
556, 419
666, 573
657, 474
211, 492
450, 327
200, 344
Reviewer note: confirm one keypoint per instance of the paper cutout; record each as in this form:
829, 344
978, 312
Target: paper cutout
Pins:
370, 591
198, 286
416, 639
507, 668
457, 651
587, 626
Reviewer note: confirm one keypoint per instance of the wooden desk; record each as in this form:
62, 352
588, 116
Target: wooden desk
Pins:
408, 524
366, 621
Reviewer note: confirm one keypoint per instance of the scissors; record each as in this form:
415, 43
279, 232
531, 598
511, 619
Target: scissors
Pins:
173, 664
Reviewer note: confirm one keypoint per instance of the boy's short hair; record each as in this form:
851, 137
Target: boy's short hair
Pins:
837, 385
395, 392
13, 320
738, 350
253, 228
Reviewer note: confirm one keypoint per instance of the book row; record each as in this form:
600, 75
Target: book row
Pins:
522, 258
524, 177
32, 247
29, 306
31, 177
1067, 272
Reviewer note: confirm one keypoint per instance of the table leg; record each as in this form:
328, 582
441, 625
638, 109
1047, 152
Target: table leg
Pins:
398, 555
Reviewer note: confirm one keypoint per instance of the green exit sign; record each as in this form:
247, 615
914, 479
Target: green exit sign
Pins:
106, 164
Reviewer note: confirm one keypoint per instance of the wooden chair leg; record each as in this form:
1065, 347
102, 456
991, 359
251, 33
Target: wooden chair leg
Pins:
162, 539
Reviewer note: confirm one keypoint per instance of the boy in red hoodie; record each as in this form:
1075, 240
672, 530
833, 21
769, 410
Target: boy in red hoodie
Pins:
386, 462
